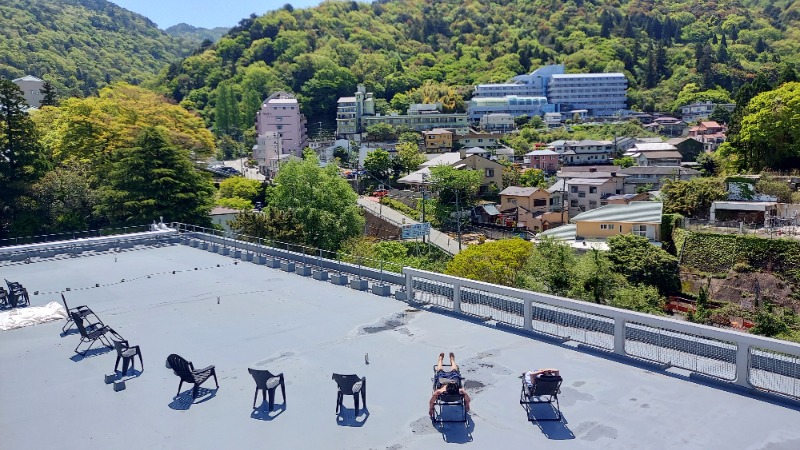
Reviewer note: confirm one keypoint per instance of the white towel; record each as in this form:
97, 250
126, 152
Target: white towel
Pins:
32, 315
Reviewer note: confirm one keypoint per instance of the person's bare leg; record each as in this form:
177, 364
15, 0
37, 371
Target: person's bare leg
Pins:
441, 362
453, 365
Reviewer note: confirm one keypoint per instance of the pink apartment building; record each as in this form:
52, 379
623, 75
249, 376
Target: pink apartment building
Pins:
279, 117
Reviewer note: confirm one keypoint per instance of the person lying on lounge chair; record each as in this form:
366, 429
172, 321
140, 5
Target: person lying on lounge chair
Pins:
449, 383
531, 375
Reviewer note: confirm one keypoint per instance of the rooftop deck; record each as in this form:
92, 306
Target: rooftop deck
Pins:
307, 329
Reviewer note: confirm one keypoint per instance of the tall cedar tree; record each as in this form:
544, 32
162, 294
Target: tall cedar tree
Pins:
20, 155
155, 179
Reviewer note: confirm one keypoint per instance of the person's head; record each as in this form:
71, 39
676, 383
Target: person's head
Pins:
452, 388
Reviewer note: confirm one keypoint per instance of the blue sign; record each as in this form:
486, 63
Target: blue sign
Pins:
416, 230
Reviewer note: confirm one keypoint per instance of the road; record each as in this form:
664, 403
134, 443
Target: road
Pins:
437, 238
239, 164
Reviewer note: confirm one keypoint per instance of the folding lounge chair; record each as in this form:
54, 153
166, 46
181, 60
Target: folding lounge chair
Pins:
446, 399
92, 333
83, 311
186, 371
267, 382
17, 294
350, 385
545, 389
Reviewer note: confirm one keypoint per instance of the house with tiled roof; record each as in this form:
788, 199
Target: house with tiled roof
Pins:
710, 133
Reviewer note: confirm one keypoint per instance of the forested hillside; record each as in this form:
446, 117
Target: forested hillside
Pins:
80, 45
196, 34
394, 46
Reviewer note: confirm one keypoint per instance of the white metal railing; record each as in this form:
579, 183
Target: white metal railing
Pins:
744, 360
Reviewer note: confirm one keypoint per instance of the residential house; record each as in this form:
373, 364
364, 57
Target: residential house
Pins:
482, 140
710, 133
748, 212
585, 194
222, 216
492, 171
593, 228
485, 214
31, 88
438, 139
497, 122
546, 160
651, 178
552, 120
533, 208
624, 199
665, 158
583, 152
702, 110
689, 148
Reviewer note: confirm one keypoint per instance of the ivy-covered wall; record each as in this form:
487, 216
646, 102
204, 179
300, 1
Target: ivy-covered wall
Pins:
712, 252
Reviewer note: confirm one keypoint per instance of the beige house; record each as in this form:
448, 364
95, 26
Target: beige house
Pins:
438, 139
535, 209
593, 228
492, 171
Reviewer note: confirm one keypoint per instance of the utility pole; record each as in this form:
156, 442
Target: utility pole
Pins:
423, 209
458, 223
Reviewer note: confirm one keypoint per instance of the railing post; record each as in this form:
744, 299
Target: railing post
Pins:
742, 365
619, 336
456, 297
409, 287
527, 311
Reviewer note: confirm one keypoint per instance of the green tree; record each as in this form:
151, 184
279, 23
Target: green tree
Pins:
240, 187
458, 192
692, 198
532, 178
408, 157
595, 279
511, 176
62, 200
551, 268
720, 115
235, 203
498, 262
381, 132
154, 179
269, 223
226, 114
709, 164
643, 263
378, 163
625, 162
642, 298
21, 159
49, 93
320, 200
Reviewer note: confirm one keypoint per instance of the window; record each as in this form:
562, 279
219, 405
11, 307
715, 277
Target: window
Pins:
280, 127
581, 194
592, 204
593, 190
640, 230
489, 172
606, 226
573, 189
573, 203
539, 202
513, 201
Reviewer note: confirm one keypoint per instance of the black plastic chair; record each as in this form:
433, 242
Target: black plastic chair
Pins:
267, 383
17, 294
350, 385
126, 353
83, 311
92, 333
186, 371
545, 389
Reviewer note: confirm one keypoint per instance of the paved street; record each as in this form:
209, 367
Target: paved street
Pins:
437, 238
239, 164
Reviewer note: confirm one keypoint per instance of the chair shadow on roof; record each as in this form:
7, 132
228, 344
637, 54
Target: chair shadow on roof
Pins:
185, 401
263, 412
456, 432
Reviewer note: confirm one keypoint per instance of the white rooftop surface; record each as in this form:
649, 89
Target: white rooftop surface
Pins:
307, 329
